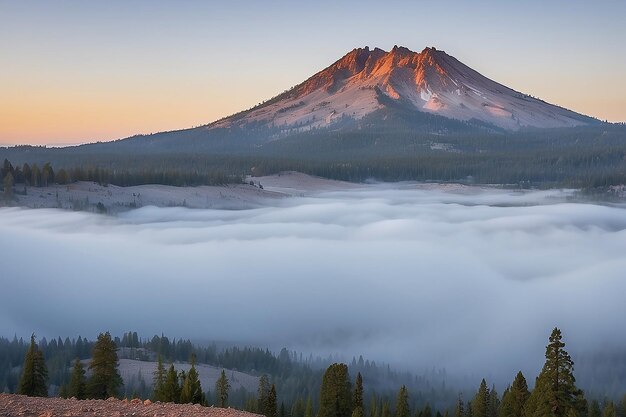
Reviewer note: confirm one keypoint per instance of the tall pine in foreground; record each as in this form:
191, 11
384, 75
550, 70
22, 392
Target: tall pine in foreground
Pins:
515, 397
158, 381
222, 386
336, 394
555, 393
263, 393
191, 391
34, 372
480, 403
171, 390
402, 404
358, 410
271, 406
78, 383
105, 379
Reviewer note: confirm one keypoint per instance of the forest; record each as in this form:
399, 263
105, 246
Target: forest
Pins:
387, 147
291, 385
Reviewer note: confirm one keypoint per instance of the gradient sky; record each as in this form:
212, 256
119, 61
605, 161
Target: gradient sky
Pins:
81, 71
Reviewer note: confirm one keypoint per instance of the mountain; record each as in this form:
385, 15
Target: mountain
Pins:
397, 115
365, 81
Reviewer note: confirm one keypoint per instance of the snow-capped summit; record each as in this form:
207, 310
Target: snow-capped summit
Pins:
365, 79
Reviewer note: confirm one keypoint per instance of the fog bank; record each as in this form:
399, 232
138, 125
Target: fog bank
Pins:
472, 280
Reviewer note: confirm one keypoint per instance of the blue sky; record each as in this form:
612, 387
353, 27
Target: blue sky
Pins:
76, 71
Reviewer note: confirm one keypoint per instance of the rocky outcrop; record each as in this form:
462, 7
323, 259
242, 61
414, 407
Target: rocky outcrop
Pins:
20, 405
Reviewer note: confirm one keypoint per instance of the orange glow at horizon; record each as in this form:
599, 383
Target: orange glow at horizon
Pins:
69, 120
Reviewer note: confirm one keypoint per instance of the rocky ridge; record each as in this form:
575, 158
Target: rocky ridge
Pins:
21, 405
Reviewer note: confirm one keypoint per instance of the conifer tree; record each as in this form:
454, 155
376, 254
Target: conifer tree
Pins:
78, 383
480, 403
555, 393
609, 410
159, 379
222, 386
8, 182
494, 403
34, 372
427, 411
515, 397
263, 392
171, 392
105, 379
459, 409
271, 406
335, 393
402, 403
357, 403
594, 409
308, 411
622, 407
385, 410
191, 391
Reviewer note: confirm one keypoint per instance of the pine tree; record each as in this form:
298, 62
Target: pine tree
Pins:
191, 391
459, 410
308, 411
402, 403
555, 393
357, 403
105, 379
171, 392
374, 410
494, 403
159, 379
271, 406
622, 407
427, 411
594, 409
480, 403
34, 372
78, 383
8, 183
298, 407
222, 386
335, 393
515, 397
609, 410
263, 392
385, 410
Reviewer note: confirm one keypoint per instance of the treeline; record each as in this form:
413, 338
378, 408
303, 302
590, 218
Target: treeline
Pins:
33, 176
392, 149
555, 392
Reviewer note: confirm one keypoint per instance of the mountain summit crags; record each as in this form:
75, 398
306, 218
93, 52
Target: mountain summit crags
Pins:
364, 80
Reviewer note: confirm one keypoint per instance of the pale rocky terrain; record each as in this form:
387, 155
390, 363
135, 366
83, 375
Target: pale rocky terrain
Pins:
429, 81
207, 374
20, 405
86, 196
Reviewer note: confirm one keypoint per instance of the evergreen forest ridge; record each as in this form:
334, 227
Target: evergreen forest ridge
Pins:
288, 386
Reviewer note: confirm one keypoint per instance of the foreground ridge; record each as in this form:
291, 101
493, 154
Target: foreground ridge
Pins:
21, 405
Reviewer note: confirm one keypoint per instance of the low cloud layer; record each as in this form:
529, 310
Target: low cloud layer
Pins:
470, 281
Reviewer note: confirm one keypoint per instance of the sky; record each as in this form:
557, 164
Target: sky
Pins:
472, 280
77, 71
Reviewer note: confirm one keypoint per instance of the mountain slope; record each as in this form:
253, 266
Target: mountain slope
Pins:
365, 80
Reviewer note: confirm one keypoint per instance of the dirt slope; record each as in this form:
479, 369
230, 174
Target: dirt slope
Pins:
20, 405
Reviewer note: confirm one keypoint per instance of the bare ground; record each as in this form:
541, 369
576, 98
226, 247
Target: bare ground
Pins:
207, 374
90, 196
20, 405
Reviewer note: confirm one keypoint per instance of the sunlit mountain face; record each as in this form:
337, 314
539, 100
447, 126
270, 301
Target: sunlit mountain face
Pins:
366, 80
